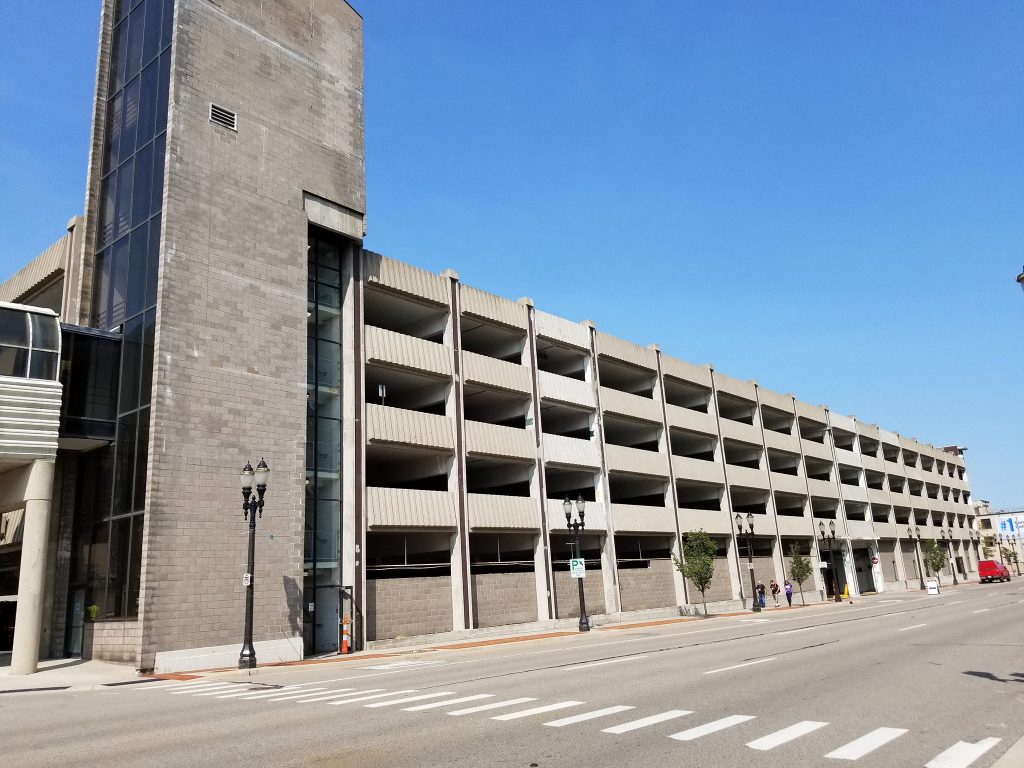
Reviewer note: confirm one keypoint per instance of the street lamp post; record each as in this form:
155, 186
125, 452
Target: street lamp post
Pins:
576, 526
755, 604
1020, 280
917, 551
829, 537
949, 548
252, 507
1012, 539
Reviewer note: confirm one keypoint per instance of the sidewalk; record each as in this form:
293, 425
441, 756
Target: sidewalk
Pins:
85, 675
66, 674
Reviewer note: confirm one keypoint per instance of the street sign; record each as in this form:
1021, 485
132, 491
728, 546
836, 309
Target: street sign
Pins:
577, 567
247, 580
750, 566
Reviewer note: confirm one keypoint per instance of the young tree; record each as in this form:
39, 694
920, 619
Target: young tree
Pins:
698, 562
935, 557
800, 569
1009, 556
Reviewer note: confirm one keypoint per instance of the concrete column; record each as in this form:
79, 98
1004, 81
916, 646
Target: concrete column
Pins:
28, 621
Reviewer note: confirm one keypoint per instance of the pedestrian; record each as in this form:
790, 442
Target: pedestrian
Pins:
789, 593
774, 586
760, 594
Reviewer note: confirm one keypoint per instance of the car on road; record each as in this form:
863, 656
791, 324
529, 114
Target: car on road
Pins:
993, 570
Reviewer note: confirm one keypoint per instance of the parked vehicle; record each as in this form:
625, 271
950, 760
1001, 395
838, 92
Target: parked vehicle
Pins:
993, 570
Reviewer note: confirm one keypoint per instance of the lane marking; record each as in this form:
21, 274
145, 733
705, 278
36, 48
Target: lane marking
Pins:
438, 704
737, 666
409, 699
753, 621
268, 694
374, 696
962, 754
712, 727
219, 691
672, 714
980, 610
574, 667
538, 710
295, 695
792, 631
955, 602
223, 687
867, 743
493, 705
341, 695
249, 691
173, 684
336, 693
772, 740
916, 626
588, 716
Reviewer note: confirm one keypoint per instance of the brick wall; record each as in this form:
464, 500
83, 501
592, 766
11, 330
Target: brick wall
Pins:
887, 558
720, 587
230, 376
408, 607
110, 640
567, 601
650, 587
504, 598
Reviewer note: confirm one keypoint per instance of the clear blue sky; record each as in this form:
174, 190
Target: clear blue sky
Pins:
826, 197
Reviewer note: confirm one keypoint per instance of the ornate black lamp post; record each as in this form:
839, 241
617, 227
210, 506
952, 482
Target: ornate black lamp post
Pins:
917, 551
252, 507
1009, 540
1016, 559
829, 537
949, 548
576, 526
749, 535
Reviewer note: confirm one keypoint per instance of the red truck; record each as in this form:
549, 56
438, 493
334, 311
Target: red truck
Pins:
993, 570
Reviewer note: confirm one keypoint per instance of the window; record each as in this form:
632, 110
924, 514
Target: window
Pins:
29, 344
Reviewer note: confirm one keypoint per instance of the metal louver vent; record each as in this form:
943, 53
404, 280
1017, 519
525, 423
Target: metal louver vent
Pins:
224, 117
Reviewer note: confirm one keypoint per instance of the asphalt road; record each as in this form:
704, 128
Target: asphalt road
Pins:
901, 680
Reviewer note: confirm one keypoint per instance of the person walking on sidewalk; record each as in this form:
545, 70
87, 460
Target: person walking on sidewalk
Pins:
774, 586
760, 593
789, 593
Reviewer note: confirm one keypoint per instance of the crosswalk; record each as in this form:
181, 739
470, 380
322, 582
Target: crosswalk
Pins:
618, 719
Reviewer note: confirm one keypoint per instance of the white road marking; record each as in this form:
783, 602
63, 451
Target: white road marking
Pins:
268, 694
792, 631
341, 695
408, 699
980, 610
605, 661
754, 621
299, 695
737, 666
867, 743
255, 690
712, 727
246, 688
955, 602
173, 684
400, 665
336, 693
633, 725
588, 716
772, 740
222, 686
438, 704
962, 754
493, 705
374, 696
538, 710
916, 626
889, 601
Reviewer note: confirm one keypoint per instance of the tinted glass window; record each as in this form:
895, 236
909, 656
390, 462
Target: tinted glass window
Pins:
45, 333
13, 328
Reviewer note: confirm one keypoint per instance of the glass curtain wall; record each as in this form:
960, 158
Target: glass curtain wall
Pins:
124, 287
323, 444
